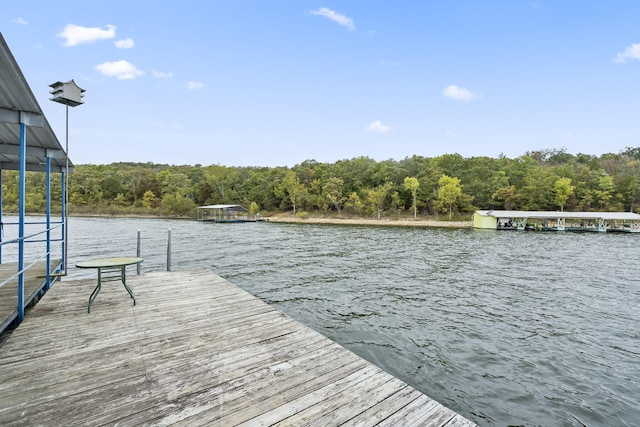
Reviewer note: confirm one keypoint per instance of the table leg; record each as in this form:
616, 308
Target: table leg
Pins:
124, 282
123, 278
96, 291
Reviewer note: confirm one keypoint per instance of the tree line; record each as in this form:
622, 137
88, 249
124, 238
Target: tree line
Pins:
449, 185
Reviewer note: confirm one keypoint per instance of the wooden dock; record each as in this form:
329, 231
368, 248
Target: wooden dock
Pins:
34, 280
195, 350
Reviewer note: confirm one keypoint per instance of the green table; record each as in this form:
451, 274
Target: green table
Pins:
109, 269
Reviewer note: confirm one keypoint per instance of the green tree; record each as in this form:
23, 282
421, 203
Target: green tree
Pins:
332, 190
177, 204
450, 164
173, 181
628, 184
397, 203
149, 200
121, 200
412, 184
604, 192
10, 190
376, 197
537, 193
221, 178
254, 209
482, 177
562, 190
292, 187
354, 204
507, 196
450, 192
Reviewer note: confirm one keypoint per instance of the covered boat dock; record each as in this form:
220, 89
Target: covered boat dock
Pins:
32, 253
226, 213
628, 222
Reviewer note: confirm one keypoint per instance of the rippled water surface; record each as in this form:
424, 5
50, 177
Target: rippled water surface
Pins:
506, 328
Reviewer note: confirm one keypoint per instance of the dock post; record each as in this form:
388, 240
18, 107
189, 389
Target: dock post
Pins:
169, 252
138, 252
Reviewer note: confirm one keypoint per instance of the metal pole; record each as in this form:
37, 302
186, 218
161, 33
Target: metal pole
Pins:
138, 252
1, 224
169, 252
66, 192
21, 208
63, 179
48, 267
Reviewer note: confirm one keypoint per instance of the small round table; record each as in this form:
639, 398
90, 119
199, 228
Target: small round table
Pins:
109, 269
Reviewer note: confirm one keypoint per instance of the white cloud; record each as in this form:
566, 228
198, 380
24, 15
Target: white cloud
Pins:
75, 34
378, 127
631, 52
20, 21
124, 44
195, 85
122, 70
459, 93
335, 17
161, 75
169, 125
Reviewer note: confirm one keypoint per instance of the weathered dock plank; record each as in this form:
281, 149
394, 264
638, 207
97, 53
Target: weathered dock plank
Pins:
195, 350
34, 280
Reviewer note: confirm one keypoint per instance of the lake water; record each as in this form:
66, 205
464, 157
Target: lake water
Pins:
506, 328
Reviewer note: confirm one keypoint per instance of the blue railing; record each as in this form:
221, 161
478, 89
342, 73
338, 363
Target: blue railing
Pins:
36, 246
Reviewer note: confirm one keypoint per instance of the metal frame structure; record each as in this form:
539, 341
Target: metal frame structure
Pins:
27, 143
561, 221
225, 213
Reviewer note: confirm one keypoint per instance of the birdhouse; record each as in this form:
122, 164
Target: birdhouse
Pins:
68, 93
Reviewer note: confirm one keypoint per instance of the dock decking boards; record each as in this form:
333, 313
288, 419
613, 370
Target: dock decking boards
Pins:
34, 280
195, 350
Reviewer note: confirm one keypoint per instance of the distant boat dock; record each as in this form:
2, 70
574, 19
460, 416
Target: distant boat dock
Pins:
194, 350
226, 214
557, 221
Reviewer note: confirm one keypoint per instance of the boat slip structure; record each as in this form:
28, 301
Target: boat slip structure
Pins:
226, 213
628, 222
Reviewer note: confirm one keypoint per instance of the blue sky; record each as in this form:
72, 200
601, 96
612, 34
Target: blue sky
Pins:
275, 83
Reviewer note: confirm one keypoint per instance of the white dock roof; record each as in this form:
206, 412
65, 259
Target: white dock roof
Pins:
227, 207
609, 216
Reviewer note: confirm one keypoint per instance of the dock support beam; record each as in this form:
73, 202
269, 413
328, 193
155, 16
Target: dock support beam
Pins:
21, 214
48, 203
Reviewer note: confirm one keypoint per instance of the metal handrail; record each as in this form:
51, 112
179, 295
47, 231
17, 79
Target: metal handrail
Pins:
37, 256
17, 240
24, 270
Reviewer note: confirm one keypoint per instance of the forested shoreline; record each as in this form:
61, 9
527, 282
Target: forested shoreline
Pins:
448, 186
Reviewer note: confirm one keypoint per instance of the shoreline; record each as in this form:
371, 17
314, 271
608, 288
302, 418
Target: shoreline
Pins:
290, 219
426, 223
